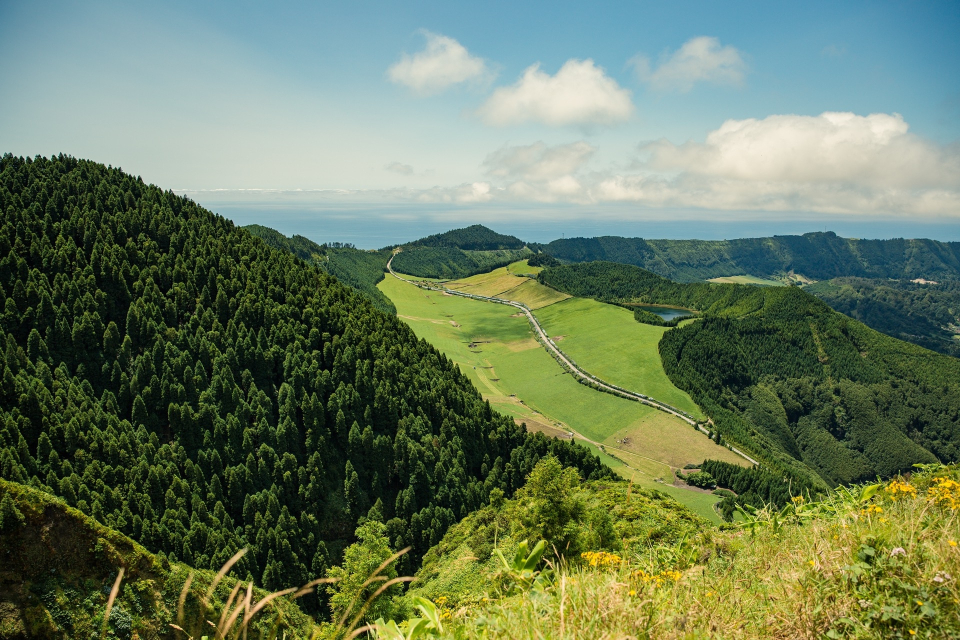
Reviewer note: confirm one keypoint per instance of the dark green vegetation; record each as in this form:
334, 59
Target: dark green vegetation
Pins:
57, 567
925, 314
543, 260
648, 317
555, 507
819, 256
450, 263
359, 269
801, 386
178, 380
459, 253
473, 238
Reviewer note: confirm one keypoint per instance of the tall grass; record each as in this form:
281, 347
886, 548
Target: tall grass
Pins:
875, 562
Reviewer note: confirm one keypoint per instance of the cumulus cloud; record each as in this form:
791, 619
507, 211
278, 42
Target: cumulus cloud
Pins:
580, 93
400, 168
871, 151
540, 172
700, 59
444, 62
834, 162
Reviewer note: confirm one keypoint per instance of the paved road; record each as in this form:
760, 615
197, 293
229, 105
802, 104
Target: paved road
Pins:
562, 358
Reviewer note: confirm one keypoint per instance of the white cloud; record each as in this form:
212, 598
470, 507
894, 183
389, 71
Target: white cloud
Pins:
469, 193
580, 93
399, 167
537, 161
700, 59
834, 162
539, 172
871, 151
443, 63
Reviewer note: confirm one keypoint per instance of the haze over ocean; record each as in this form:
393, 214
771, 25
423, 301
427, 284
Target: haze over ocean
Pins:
374, 226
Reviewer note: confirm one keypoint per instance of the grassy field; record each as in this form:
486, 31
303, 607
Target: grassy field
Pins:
495, 348
606, 341
505, 283
765, 282
521, 268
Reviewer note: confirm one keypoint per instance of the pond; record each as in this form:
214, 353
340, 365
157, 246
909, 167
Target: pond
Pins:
667, 313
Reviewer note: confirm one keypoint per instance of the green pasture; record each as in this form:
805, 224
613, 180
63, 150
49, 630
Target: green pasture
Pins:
606, 341
521, 267
748, 279
497, 351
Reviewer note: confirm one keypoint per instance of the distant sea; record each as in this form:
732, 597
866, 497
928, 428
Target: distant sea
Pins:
378, 225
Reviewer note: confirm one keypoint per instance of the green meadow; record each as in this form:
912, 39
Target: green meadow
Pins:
606, 341
746, 279
496, 349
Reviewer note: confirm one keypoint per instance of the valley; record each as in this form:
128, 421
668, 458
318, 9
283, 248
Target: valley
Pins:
495, 346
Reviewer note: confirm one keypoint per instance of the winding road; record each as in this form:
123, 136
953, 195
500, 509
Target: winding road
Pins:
563, 359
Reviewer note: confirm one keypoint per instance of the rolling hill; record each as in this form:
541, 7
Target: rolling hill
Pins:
802, 386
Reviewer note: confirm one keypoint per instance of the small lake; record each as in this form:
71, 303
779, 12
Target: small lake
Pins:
667, 313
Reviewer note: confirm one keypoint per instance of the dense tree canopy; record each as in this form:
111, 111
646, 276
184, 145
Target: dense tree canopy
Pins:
473, 238
179, 380
450, 263
927, 314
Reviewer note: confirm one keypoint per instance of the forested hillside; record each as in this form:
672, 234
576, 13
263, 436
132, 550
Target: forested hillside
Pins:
450, 263
925, 314
359, 269
175, 378
819, 256
473, 238
779, 371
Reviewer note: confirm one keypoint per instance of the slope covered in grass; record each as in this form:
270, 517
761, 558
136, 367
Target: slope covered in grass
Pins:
877, 563
57, 567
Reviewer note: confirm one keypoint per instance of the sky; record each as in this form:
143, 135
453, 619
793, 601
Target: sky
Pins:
379, 122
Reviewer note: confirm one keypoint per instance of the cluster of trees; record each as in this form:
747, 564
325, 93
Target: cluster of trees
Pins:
359, 269
820, 256
473, 238
818, 396
177, 379
755, 486
924, 314
648, 317
451, 263
543, 260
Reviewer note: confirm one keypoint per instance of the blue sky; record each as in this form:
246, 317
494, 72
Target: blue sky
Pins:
578, 113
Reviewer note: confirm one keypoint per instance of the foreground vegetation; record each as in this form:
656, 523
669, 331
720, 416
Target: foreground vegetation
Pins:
63, 572
879, 561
